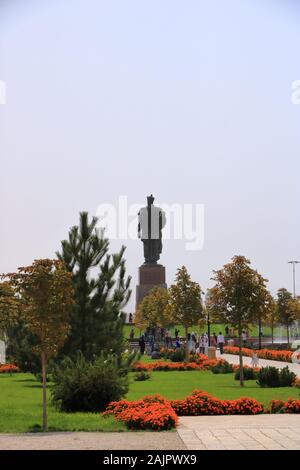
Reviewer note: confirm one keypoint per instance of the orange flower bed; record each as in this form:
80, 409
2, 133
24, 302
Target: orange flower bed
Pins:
153, 413
158, 414
285, 356
202, 403
279, 406
171, 366
8, 368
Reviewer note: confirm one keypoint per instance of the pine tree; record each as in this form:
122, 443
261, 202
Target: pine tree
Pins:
101, 290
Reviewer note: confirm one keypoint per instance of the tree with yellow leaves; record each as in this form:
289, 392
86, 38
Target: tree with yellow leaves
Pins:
152, 311
46, 294
185, 306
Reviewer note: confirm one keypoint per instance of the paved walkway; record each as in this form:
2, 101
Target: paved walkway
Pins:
93, 441
234, 359
260, 432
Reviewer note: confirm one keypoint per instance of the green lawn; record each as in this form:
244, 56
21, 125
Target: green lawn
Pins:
21, 411
179, 384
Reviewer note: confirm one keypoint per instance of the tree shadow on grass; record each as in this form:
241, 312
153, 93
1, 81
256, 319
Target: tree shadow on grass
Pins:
33, 386
26, 380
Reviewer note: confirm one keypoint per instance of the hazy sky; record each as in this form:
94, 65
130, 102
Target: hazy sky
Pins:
189, 100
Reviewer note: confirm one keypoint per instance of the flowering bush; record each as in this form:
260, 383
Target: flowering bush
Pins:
152, 412
202, 403
197, 404
244, 406
275, 406
169, 366
278, 406
8, 368
157, 414
285, 356
292, 406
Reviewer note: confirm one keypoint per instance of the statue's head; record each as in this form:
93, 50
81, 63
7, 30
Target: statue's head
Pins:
150, 200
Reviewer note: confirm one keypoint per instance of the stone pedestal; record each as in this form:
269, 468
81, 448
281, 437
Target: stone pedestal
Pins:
150, 275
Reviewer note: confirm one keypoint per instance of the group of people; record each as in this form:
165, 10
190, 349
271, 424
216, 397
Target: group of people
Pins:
198, 344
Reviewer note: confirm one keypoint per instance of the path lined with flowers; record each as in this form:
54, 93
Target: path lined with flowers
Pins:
259, 432
234, 359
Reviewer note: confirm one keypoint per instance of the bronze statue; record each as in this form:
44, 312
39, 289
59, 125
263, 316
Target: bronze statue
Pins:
152, 220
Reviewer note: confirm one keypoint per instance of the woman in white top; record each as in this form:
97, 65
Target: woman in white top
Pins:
206, 344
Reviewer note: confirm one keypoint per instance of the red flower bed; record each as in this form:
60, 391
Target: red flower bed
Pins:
153, 412
202, 403
8, 368
158, 414
285, 356
292, 406
169, 366
278, 406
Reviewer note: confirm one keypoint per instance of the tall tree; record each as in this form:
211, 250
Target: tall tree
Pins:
46, 293
285, 309
185, 305
152, 311
101, 290
9, 308
272, 317
239, 297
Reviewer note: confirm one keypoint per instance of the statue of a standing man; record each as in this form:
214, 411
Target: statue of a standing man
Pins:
152, 220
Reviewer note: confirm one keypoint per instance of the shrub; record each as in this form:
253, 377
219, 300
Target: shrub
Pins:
141, 376
273, 377
249, 373
169, 366
152, 412
80, 385
244, 406
286, 377
275, 406
8, 368
222, 367
292, 406
177, 356
202, 403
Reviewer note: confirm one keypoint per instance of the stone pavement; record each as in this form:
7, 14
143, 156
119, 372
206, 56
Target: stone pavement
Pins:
92, 441
234, 359
259, 432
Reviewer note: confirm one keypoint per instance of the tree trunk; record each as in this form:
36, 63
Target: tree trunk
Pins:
44, 378
241, 356
186, 345
259, 334
288, 335
272, 333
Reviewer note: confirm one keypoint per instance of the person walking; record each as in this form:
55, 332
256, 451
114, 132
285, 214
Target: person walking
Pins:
201, 344
254, 360
221, 342
206, 343
142, 345
213, 340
